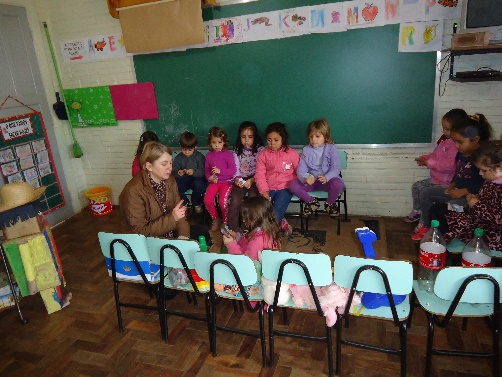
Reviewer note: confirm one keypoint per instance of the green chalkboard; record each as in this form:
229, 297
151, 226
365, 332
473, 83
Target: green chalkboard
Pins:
369, 92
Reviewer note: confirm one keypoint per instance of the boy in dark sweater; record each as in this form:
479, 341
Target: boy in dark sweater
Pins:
188, 168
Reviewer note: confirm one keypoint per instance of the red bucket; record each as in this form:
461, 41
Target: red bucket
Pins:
100, 200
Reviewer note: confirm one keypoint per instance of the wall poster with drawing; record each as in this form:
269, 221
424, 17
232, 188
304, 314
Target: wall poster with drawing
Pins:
25, 156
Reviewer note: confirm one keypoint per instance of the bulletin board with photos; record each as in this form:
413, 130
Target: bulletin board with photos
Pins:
25, 156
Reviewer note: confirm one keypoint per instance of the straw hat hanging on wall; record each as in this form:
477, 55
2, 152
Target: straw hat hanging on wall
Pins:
16, 194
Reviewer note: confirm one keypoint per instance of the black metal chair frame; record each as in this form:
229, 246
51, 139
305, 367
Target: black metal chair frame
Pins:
166, 311
401, 324
273, 307
215, 299
493, 322
152, 287
342, 198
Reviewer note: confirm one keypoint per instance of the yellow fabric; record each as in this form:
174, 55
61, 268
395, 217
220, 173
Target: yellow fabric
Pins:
51, 300
38, 263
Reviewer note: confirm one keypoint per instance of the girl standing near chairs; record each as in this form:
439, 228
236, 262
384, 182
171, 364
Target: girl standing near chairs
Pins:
247, 147
275, 169
263, 231
144, 138
219, 170
319, 170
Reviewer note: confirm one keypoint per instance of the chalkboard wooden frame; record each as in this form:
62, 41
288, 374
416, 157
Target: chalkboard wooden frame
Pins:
369, 92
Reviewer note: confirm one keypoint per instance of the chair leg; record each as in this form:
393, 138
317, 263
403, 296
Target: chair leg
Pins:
339, 344
189, 299
302, 230
271, 334
161, 305
464, 324
412, 308
329, 344
262, 336
117, 305
496, 348
403, 335
338, 220
285, 315
213, 325
209, 322
430, 342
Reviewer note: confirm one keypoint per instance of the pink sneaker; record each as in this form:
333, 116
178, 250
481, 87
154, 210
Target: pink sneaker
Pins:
414, 216
286, 228
419, 232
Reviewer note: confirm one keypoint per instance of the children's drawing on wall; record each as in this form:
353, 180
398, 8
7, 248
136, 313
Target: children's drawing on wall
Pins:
366, 13
94, 48
327, 18
441, 9
227, 31
421, 36
391, 11
427, 10
407, 35
294, 21
430, 34
260, 26
352, 16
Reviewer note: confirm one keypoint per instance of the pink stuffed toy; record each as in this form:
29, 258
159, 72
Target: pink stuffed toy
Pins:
332, 298
302, 295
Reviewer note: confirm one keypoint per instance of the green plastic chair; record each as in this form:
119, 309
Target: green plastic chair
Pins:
232, 270
128, 260
463, 292
178, 254
301, 269
391, 277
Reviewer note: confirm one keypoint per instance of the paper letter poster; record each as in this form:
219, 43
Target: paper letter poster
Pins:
421, 36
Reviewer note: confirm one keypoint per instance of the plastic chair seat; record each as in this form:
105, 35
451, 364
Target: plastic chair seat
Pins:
437, 305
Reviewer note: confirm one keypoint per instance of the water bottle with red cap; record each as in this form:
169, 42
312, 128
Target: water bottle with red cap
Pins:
476, 253
432, 257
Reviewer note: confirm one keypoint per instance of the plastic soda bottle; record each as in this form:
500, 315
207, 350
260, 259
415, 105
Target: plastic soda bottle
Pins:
202, 243
476, 253
432, 257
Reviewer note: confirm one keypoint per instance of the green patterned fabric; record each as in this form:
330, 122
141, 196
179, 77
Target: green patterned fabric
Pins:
90, 107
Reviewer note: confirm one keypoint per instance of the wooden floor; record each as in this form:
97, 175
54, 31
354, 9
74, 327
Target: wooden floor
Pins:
83, 338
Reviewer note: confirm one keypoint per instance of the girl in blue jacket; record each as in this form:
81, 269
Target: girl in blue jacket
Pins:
319, 170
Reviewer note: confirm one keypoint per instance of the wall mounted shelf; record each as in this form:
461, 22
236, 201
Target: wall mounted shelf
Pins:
477, 50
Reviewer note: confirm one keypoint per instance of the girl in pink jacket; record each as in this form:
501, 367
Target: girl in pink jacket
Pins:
275, 169
441, 163
263, 231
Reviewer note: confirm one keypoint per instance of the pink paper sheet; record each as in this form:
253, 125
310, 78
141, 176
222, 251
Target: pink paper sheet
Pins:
134, 101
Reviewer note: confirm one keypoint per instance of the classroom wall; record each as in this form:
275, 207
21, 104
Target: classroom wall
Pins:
378, 179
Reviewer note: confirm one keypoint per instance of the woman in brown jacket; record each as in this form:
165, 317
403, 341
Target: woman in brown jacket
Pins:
150, 203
